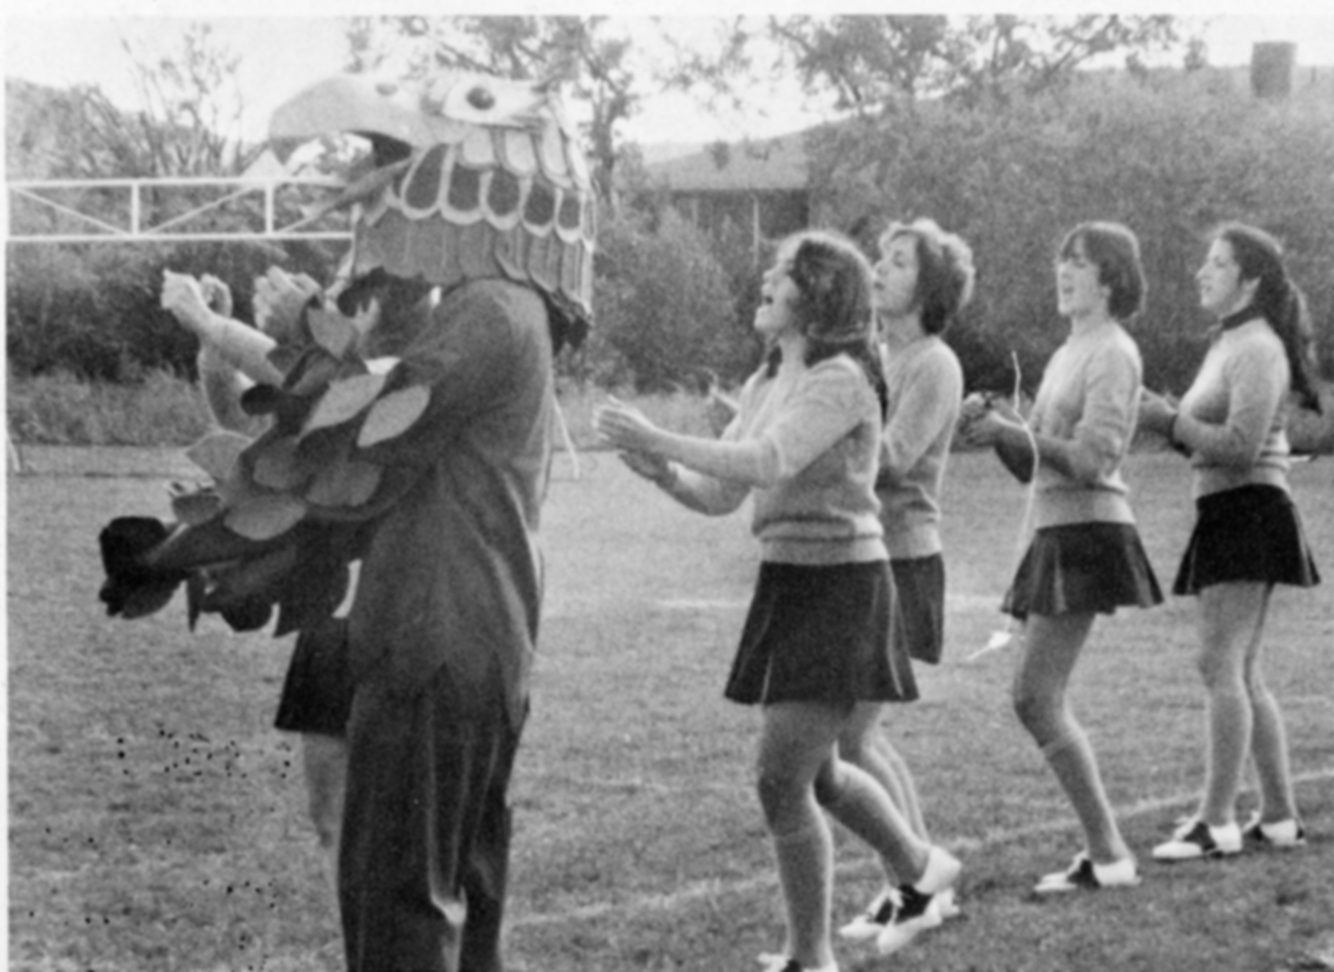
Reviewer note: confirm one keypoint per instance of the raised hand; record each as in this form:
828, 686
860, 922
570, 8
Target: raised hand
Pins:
217, 295
985, 419
183, 295
1156, 412
624, 427
279, 299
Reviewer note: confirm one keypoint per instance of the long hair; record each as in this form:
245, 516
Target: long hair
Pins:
945, 271
1114, 250
1278, 300
833, 306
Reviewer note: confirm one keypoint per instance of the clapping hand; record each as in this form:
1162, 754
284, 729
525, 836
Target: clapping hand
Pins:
975, 405
279, 299
1156, 412
183, 296
217, 295
984, 418
624, 427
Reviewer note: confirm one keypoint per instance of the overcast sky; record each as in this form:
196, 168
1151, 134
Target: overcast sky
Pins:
64, 42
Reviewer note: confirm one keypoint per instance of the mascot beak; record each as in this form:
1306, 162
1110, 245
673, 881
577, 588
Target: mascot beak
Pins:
348, 103
412, 114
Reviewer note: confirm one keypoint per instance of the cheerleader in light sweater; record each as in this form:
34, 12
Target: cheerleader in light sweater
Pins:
1248, 534
923, 279
816, 641
1086, 557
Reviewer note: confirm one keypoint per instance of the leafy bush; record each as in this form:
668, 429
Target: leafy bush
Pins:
733, 247
62, 409
93, 310
665, 313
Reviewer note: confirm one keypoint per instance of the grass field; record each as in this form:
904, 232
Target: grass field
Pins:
157, 821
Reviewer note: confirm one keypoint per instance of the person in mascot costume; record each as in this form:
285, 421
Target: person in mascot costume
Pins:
412, 420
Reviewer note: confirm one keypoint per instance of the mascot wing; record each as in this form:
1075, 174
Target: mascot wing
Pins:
285, 513
474, 177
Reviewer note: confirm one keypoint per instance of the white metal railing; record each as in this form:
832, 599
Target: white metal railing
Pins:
136, 228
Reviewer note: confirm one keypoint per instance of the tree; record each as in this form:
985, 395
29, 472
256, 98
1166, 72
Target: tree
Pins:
190, 123
867, 60
869, 63
1036, 55
581, 51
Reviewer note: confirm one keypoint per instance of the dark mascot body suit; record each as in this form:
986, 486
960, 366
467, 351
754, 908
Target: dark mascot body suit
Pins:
488, 201
441, 636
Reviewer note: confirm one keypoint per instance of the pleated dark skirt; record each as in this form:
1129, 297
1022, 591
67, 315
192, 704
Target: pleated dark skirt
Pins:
919, 583
317, 692
1251, 533
1083, 568
822, 634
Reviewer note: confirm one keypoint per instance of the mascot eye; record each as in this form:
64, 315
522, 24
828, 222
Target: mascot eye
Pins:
481, 99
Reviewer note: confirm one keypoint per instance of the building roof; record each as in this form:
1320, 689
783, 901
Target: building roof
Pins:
765, 165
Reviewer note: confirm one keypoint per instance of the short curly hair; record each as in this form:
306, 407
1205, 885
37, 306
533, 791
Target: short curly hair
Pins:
945, 272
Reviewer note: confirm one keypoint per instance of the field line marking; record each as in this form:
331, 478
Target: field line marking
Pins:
703, 604
636, 784
715, 887
965, 602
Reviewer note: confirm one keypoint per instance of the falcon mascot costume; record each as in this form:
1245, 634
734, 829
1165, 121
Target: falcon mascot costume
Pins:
421, 446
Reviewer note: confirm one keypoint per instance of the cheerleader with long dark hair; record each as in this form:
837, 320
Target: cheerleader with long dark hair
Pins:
1248, 534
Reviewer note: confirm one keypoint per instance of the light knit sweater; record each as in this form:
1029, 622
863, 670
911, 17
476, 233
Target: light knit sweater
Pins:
1240, 393
820, 432
925, 384
1089, 394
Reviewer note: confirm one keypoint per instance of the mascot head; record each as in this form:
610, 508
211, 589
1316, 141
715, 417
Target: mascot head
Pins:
474, 176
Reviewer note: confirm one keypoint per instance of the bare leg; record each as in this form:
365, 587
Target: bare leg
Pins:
796, 740
1269, 749
1231, 624
863, 744
1051, 647
907, 800
796, 749
1269, 742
